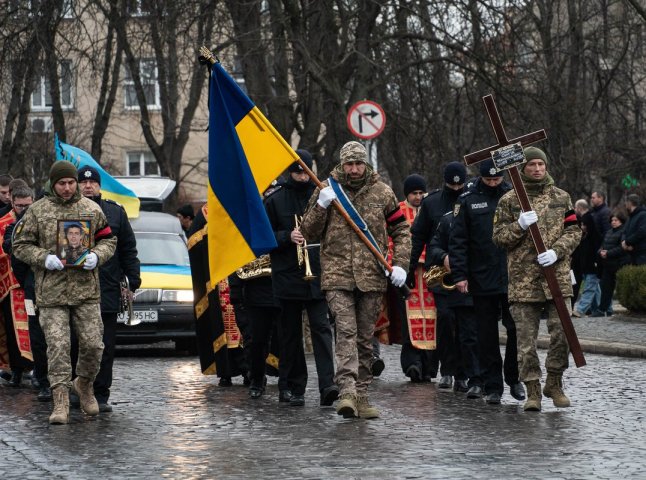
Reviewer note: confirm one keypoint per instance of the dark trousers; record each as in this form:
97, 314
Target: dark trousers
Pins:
411, 356
38, 350
490, 309
103, 380
608, 284
448, 352
242, 321
16, 361
291, 336
262, 321
469, 349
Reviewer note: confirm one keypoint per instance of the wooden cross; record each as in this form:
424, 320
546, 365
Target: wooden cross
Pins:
521, 193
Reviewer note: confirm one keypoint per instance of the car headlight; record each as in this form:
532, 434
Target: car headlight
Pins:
177, 296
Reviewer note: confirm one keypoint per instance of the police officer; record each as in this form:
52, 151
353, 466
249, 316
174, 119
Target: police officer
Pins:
61, 294
296, 293
433, 207
479, 267
124, 262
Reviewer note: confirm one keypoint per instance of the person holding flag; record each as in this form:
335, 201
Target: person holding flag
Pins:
353, 281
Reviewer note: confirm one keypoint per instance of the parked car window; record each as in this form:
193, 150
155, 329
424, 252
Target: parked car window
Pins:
161, 249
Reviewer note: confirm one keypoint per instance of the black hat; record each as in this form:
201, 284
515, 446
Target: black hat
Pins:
414, 182
455, 173
62, 169
89, 173
186, 211
307, 159
488, 169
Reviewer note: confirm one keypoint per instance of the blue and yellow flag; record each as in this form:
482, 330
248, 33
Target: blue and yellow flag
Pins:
110, 187
246, 154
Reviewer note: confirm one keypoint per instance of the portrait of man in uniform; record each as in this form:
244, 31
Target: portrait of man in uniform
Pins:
73, 242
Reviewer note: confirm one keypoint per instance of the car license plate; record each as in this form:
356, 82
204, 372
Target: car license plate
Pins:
144, 316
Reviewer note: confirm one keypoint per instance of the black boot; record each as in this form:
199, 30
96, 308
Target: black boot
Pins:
44, 394
16, 378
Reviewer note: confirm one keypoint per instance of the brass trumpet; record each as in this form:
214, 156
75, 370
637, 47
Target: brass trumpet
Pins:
302, 253
435, 276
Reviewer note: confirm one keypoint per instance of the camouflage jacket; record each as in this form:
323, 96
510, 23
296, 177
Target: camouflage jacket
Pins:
346, 262
36, 237
560, 232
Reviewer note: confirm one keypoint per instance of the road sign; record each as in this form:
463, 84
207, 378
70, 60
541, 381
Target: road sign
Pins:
366, 119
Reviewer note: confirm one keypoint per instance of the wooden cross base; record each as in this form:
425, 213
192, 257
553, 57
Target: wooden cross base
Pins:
521, 193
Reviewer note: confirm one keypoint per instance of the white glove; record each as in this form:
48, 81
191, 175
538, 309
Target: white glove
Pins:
326, 196
398, 276
52, 262
90, 261
547, 258
527, 218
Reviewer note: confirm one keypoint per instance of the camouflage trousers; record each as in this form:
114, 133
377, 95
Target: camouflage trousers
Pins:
527, 317
86, 320
355, 314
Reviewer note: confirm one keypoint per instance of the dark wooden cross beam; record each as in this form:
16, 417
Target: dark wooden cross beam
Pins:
521, 193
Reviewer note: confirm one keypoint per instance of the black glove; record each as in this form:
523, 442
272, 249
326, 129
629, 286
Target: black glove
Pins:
410, 279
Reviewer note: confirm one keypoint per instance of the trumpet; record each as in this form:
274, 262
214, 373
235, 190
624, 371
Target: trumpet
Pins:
302, 253
435, 276
125, 306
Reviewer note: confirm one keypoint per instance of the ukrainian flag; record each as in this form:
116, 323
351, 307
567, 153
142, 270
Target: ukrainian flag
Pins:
110, 187
246, 154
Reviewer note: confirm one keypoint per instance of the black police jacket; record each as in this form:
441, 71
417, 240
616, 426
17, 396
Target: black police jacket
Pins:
124, 260
287, 275
433, 207
474, 256
635, 235
438, 249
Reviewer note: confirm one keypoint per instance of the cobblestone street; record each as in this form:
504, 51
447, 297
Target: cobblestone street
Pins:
169, 421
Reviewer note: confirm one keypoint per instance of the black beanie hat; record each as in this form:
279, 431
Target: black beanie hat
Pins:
488, 169
62, 169
307, 159
414, 182
89, 173
455, 173
186, 211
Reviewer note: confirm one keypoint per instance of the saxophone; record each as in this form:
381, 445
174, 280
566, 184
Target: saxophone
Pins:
259, 267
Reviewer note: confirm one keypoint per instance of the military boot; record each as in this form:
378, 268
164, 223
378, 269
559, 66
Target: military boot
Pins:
365, 409
533, 403
554, 390
61, 413
347, 405
83, 387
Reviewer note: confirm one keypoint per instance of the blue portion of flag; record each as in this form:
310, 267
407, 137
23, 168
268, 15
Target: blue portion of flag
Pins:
110, 187
230, 176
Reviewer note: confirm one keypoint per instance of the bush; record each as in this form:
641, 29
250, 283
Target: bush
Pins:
631, 287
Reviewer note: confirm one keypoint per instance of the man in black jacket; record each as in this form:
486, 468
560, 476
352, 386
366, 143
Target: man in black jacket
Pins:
433, 207
296, 293
479, 267
124, 262
634, 239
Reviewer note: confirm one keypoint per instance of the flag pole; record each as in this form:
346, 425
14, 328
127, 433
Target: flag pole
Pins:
206, 53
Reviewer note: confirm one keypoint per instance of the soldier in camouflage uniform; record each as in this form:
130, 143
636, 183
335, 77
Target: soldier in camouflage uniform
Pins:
62, 293
351, 277
529, 294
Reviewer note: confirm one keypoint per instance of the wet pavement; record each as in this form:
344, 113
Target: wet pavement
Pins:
169, 421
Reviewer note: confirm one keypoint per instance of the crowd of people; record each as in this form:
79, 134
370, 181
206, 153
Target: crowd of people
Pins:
471, 234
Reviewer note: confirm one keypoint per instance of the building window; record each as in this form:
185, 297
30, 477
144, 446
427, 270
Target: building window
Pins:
148, 75
141, 164
41, 98
68, 9
139, 8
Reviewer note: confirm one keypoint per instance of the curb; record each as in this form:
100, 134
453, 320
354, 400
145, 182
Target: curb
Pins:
616, 349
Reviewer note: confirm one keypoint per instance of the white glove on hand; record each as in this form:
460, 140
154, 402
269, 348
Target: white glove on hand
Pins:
326, 196
525, 219
398, 276
90, 261
52, 262
547, 258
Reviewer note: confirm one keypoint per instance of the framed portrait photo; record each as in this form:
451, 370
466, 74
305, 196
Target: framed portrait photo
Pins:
73, 242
